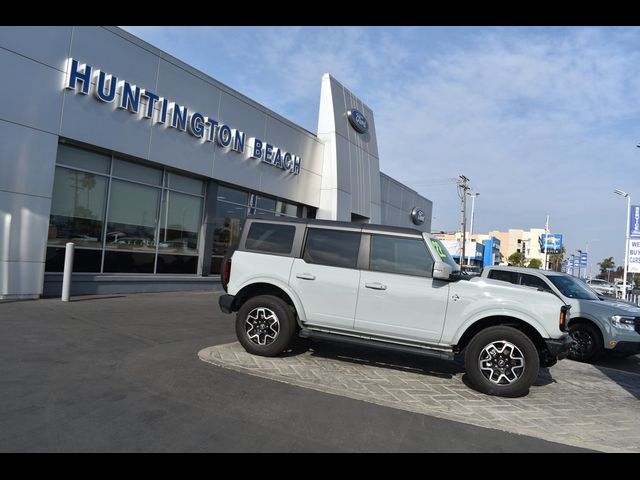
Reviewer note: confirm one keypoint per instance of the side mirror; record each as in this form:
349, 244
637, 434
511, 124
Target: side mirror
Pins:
442, 271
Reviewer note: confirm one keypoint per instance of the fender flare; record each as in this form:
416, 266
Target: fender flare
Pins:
282, 286
498, 312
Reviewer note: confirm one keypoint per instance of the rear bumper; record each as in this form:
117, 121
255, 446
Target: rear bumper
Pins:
226, 303
559, 347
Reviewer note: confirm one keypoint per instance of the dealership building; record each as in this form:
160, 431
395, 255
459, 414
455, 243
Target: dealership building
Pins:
150, 166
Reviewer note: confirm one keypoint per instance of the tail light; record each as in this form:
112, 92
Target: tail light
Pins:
226, 273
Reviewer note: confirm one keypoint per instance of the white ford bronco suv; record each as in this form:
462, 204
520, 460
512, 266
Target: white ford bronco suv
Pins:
389, 287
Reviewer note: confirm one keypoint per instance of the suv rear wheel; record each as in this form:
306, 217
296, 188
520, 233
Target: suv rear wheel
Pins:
265, 325
502, 361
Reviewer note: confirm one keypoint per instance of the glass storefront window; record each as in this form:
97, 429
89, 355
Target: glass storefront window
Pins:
226, 194
83, 159
268, 204
136, 172
286, 209
185, 184
228, 222
127, 217
77, 208
180, 224
133, 210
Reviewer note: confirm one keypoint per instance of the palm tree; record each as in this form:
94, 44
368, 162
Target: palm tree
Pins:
606, 264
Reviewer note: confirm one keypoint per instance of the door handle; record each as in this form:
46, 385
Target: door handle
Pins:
305, 276
376, 286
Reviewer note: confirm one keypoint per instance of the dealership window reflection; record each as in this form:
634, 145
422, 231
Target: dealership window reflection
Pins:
181, 220
232, 207
133, 213
77, 208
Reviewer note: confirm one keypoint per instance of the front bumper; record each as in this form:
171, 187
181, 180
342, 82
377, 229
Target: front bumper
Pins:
226, 303
559, 347
627, 348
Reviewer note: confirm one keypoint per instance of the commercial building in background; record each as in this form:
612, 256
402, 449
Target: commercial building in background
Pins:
480, 250
498, 246
518, 240
150, 166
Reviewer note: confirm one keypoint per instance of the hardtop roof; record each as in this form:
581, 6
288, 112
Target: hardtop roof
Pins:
333, 223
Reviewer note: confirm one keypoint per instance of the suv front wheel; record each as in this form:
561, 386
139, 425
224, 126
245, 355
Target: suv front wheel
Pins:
502, 361
586, 346
265, 325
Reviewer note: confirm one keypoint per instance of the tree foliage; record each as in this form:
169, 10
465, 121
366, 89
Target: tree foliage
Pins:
516, 259
555, 260
605, 264
535, 263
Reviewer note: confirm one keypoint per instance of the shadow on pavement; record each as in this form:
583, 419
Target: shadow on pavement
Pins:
362, 355
625, 379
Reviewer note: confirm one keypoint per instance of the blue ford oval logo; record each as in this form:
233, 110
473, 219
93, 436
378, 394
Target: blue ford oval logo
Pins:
357, 120
417, 216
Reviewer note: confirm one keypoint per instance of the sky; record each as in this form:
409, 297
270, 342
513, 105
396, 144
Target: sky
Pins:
542, 120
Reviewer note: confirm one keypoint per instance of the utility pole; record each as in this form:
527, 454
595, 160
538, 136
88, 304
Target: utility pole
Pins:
473, 208
546, 255
463, 186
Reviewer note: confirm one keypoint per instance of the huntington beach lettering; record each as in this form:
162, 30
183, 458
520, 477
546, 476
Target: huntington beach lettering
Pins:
107, 88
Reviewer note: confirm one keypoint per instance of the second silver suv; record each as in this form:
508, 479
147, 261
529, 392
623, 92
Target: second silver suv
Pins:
598, 324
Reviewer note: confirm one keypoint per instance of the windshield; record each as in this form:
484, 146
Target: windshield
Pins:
444, 254
572, 288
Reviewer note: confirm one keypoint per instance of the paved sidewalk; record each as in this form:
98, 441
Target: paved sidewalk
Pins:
571, 403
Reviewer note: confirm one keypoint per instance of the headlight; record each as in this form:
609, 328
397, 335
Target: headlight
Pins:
624, 323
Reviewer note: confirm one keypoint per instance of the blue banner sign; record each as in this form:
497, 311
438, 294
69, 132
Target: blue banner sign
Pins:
634, 221
583, 260
550, 242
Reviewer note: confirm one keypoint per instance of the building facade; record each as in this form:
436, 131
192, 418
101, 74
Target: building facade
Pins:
149, 166
519, 240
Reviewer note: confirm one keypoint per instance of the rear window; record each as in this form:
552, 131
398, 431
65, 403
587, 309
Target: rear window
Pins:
511, 277
270, 237
332, 247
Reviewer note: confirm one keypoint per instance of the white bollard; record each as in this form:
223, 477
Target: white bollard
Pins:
68, 270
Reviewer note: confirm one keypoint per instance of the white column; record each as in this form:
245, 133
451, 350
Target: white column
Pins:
68, 270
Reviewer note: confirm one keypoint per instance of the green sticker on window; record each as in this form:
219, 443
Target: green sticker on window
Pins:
439, 249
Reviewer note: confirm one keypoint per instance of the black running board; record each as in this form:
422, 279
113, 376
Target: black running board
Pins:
370, 342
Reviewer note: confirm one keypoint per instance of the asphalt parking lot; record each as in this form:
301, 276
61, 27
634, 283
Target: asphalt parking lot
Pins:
122, 373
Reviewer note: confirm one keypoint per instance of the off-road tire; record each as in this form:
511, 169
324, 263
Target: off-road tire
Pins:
501, 376
587, 343
265, 325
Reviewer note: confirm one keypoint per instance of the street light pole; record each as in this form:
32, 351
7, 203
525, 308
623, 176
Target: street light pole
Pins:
626, 244
588, 258
473, 209
579, 262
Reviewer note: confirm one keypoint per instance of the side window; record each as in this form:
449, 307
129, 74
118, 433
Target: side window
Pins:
270, 237
332, 247
406, 256
511, 277
533, 281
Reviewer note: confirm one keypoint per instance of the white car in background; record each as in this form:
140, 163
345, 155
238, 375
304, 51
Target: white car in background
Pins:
602, 287
618, 286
